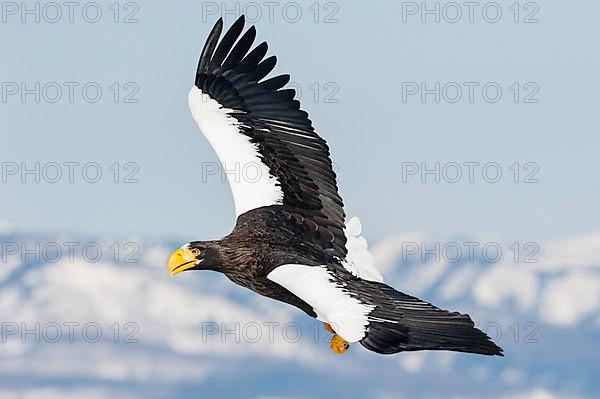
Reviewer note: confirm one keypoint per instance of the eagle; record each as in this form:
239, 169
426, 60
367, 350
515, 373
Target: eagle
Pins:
291, 241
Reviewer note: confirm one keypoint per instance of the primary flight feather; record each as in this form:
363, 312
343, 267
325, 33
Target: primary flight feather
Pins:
291, 241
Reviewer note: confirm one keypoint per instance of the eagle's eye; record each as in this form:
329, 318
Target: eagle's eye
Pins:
196, 251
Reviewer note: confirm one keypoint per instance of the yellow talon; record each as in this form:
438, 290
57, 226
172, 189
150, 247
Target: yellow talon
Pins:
338, 345
328, 328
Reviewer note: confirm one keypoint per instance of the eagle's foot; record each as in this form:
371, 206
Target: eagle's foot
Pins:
327, 326
338, 345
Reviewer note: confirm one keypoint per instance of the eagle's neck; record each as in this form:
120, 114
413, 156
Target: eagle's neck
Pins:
237, 262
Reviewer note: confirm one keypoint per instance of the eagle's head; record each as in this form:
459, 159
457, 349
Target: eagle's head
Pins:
195, 255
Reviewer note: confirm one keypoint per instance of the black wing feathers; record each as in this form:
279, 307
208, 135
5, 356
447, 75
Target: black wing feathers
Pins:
405, 323
209, 47
240, 49
275, 83
231, 73
226, 43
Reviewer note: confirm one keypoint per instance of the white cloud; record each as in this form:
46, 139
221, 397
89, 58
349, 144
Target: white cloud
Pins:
534, 393
6, 227
170, 312
444, 359
9, 265
562, 287
568, 299
578, 252
537, 393
507, 281
413, 362
388, 251
388, 255
511, 376
459, 282
167, 312
65, 393
97, 361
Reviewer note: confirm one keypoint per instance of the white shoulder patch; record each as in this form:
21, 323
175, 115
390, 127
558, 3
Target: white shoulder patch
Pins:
249, 178
359, 260
330, 301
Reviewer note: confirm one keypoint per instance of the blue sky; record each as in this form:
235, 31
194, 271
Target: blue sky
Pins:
368, 55
361, 70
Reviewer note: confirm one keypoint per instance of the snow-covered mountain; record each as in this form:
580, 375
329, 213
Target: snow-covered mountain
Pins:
97, 318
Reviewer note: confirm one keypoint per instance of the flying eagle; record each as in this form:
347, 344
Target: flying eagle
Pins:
290, 241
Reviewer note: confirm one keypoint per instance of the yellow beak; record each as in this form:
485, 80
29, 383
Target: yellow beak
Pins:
181, 260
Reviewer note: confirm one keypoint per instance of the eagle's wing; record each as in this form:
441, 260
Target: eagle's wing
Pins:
265, 142
382, 319
273, 156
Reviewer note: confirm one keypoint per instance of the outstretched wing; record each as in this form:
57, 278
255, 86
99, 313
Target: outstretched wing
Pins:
266, 143
382, 319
